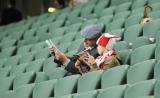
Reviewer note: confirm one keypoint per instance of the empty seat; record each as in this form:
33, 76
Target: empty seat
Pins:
66, 85
8, 94
41, 76
140, 89
2, 61
28, 57
100, 6
4, 72
138, 3
151, 29
44, 89
125, 56
35, 66
14, 60
153, 1
135, 73
83, 84
133, 20
24, 49
114, 76
108, 11
7, 52
55, 25
132, 32
42, 53
157, 90
124, 14
121, 45
123, 7
140, 41
6, 84
49, 64
87, 10
24, 91
25, 78
110, 92
156, 70
116, 24
142, 53
17, 70
115, 2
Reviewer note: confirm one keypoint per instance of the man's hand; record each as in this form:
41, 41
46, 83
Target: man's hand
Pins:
58, 55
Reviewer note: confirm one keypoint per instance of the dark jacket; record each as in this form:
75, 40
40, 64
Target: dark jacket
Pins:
71, 65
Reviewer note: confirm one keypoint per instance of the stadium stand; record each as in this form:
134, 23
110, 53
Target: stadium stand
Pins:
27, 69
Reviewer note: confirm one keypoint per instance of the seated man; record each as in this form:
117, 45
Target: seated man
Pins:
90, 34
108, 57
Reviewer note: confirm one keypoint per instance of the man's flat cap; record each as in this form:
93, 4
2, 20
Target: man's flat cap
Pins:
91, 32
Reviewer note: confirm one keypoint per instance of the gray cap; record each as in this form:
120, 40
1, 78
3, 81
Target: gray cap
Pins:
91, 32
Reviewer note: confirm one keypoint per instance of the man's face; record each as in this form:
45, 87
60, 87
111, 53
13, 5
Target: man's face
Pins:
89, 42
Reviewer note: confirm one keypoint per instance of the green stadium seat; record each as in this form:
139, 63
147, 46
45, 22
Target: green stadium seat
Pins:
112, 92
7, 52
41, 76
100, 6
30, 33
114, 76
140, 89
75, 45
105, 19
116, 24
32, 40
62, 16
49, 64
25, 78
89, 22
58, 32
28, 57
89, 94
8, 43
73, 28
17, 70
8, 94
83, 84
140, 41
42, 53
6, 84
156, 90
56, 73
64, 46
4, 72
38, 46
108, 11
123, 7
87, 10
151, 29
44, 89
24, 49
137, 11
14, 60
118, 32
157, 52
74, 14
135, 73
125, 56
132, 32
25, 91
133, 20
138, 3
123, 14
142, 53
156, 70
67, 37
35, 66
66, 85
55, 25
121, 45
146, 97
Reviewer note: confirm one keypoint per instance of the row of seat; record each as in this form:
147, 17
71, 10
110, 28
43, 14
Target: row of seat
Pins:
67, 89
